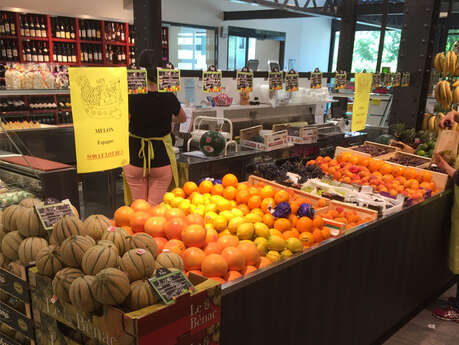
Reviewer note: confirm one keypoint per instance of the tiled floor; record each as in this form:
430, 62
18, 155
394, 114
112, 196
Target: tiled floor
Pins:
418, 332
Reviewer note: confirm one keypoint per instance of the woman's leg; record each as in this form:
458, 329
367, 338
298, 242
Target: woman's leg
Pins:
159, 180
137, 183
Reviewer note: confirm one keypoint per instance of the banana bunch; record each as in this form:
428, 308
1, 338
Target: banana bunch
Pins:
444, 95
446, 64
432, 122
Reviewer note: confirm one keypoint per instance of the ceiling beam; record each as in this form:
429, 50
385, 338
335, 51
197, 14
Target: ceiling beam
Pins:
379, 9
262, 14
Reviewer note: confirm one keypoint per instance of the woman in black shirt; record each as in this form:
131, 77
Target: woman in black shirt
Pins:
152, 159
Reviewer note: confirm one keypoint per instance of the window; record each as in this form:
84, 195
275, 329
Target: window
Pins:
391, 49
237, 52
366, 47
335, 52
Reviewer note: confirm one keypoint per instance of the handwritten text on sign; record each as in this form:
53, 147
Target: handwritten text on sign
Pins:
211, 82
275, 80
168, 285
168, 80
292, 82
244, 81
363, 82
51, 214
137, 81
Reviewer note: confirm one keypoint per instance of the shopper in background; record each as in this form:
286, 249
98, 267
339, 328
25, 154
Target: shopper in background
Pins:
152, 157
451, 313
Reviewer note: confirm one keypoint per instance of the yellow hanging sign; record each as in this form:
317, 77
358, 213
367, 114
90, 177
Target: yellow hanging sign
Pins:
100, 111
363, 82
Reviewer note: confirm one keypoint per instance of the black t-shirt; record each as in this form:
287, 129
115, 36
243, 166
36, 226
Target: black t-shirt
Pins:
151, 116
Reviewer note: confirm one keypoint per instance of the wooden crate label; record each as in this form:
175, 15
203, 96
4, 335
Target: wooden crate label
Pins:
16, 320
168, 285
14, 285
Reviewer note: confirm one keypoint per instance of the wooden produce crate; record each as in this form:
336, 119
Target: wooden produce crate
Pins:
271, 141
311, 198
424, 161
384, 156
299, 133
194, 318
52, 331
15, 301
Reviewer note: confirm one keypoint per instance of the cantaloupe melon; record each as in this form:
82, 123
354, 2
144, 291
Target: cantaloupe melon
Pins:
169, 260
49, 261
109, 244
10, 245
118, 237
2, 233
67, 227
28, 224
96, 225
141, 296
62, 282
111, 286
29, 248
138, 264
144, 241
4, 261
82, 294
31, 202
98, 258
10, 217
73, 249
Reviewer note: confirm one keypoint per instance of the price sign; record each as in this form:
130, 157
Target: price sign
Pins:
340, 81
316, 80
170, 284
275, 80
168, 80
244, 81
211, 81
292, 82
396, 79
376, 80
51, 214
406, 79
137, 81
387, 79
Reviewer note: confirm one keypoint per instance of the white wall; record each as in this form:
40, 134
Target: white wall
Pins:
266, 50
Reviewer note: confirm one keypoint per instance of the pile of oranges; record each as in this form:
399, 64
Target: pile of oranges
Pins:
382, 176
350, 218
224, 231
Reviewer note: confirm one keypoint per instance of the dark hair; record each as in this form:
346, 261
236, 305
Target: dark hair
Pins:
150, 60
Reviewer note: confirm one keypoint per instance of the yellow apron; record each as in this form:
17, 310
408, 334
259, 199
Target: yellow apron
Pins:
454, 242
147, 153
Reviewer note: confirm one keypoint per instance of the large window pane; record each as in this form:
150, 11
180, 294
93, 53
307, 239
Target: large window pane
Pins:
391, 48
365, 55
237, 49
335, 52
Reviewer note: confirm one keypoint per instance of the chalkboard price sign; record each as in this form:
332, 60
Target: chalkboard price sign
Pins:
51, 214
387, 79
406, 79
211, 81
137, 81
396, 79
376, 80
168, 80
170, 284
244, 81
340, 81
292, 82
316, 80
275, 80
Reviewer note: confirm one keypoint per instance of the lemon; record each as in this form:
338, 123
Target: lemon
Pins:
261, 230
233, 203
210, 216
285, 254
209, 226
237, 212
262, 245
294, 245
275, 232
253, 218
177, 200
215, 198
197, 199
273, 256
276, 243
227, 214
211, 207
245, 231
220, 223
168, 197
224, 233
207, 196
200, 209
234, 224
223, 205
185, 205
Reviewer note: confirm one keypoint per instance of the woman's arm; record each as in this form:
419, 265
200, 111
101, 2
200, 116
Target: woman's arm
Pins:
441, 163
180, 117
449, 119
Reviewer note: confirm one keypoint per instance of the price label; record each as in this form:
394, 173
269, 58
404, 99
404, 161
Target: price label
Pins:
275, 80
376, 80
168, 80
211, 82
170, 284
292, 82
51, 214
244, 81
137, 81
316, 80
387, 79
406, 79
396, 79
340, 81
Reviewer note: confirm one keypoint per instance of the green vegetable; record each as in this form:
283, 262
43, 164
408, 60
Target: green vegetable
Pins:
421, 153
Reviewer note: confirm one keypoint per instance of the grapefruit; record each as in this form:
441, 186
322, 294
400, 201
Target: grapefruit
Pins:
194, 235
234, 258
173, 228
214, 265
192, 258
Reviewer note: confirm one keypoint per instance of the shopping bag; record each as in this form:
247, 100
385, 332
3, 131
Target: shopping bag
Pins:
446, 145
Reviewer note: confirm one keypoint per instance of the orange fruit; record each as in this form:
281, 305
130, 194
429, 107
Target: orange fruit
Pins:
318, 222
227, 241
426, 176
321, 203
194, 235
325, 233
250, 252
375, 165
242, 196
232, 275
242, 186
410, 173
205, 187
317, 235
154, 226
160, 242
158, 211
212, 248
267, 203
249, 269
138, 221
253, 191
178, 192
304, 224
194, 219
217, 189
281, 196
254, 202
307, 238
295, 205
127, 229
386, 169
288, 234
267, 192
268, 219
174, 213
234, 258
214, 265
397, 171
140, 205
192, 258
123, 215
174, 246
174, 227
230, 193
244, 208
264, 262
293, 219
282, 224
190, 187
211, 236
230, 180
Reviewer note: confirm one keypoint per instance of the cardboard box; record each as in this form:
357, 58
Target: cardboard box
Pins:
192, 319
303, 135
424, 161
271, 140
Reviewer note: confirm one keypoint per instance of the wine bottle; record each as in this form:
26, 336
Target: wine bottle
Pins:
43, 28
45, 52
34, 53
26, 27
3, 50
59, 53
28, 52
2, 24
72, 30
67, 29
32, 27
9, 52
40, 54
123, 36
12, 25
98, 34
93, 31
6, 24
37, 27
62, 27
74, 57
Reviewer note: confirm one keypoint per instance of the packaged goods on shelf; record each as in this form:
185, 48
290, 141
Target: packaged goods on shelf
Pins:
259, 139
35, 76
